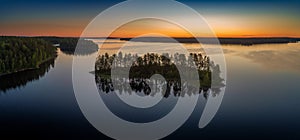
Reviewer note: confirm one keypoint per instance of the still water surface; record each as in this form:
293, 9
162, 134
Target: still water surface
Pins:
261, 99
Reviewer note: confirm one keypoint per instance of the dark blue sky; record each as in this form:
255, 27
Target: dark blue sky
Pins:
20, 16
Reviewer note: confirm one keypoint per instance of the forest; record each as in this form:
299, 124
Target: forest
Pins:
141, 68
68, 45
21, 53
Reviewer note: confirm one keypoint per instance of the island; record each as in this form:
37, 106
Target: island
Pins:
73, 45
197, 69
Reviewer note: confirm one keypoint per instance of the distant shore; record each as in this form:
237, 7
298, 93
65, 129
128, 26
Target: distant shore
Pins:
207, 40
247, 41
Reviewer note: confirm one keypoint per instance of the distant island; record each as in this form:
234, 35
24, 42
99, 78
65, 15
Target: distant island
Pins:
68, 45
25, 53
207, 40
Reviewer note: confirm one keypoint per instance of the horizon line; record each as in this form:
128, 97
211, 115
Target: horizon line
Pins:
150, 36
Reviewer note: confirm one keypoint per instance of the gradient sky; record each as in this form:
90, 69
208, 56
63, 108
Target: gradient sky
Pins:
234, 18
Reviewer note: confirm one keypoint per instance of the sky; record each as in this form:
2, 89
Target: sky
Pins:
232, 18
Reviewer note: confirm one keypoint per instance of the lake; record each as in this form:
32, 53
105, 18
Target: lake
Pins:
261, 98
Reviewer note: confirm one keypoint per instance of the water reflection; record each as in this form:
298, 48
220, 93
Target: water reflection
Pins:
141, 68
81, 52
269, 56
146, 87
20, 79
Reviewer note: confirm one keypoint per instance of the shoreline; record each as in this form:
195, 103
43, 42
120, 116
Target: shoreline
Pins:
222, 41
25, 69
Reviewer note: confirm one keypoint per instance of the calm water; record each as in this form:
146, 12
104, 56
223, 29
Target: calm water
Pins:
261, 99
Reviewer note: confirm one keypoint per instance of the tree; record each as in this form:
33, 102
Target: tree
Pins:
19, 53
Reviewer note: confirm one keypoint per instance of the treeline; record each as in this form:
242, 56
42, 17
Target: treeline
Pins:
21, 53
210, 40
193, 60
153, 63
68, 45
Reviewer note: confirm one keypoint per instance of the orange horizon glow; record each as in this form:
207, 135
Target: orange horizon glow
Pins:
226, 19
218, 36
174, 36
132, 34
230, 28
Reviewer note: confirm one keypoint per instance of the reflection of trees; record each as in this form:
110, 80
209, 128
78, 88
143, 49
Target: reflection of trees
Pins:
141, 68
20, 79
